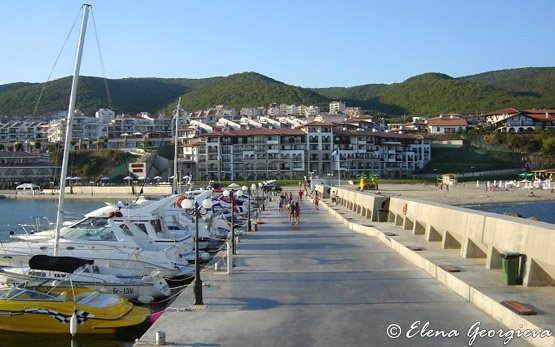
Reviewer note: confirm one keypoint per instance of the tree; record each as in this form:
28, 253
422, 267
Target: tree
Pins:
548, 146
18, 146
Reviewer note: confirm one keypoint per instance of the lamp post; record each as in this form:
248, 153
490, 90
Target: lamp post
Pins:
261, 185
229, 193
248, 189
197, 211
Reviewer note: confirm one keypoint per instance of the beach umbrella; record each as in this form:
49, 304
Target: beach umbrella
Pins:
234, 185
128, 178
142, 178
157, 177
105, 178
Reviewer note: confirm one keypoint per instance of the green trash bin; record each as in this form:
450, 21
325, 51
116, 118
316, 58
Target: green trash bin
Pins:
382, 215
510, 266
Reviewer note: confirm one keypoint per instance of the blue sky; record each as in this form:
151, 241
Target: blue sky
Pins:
308, 43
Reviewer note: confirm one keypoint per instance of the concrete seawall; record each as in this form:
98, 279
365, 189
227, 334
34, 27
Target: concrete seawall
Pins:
475, 234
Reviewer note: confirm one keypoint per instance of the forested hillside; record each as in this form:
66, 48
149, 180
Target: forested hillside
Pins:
427, 94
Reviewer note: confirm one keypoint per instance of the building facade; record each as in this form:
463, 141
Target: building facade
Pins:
262, 153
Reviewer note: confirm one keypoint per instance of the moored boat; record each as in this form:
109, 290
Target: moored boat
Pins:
27, 310
58, 273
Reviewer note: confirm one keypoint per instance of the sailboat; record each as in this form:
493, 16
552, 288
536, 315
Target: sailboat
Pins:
121, 247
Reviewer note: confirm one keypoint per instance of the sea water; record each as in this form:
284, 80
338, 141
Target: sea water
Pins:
543, 211
14, 212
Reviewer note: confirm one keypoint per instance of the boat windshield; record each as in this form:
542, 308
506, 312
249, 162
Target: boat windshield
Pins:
27, 294
90, 229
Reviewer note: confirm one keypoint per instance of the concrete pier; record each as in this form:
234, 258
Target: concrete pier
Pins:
339, 279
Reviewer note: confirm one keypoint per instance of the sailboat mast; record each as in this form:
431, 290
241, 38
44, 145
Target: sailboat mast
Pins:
175, 178
71, 110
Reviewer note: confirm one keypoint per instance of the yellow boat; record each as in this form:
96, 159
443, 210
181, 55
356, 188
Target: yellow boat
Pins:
27, 310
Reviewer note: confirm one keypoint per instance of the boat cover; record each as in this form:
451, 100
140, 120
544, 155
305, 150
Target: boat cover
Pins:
63, 264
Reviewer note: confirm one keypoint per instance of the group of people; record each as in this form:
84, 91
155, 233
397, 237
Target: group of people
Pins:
293, 208
286, 201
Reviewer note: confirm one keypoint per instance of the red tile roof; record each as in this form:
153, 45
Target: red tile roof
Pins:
508, 110
256, 132
371, 133
446, 121
317, 124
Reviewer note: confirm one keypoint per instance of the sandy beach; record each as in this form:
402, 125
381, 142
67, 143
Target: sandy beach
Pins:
464, 194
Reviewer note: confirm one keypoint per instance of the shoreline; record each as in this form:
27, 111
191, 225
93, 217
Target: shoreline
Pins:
460, 195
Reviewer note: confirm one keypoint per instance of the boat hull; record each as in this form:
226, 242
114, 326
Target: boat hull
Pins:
53, 317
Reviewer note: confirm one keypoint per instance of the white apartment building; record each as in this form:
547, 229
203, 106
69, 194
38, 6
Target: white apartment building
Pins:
337, 107
83, 128
288, 110
28, 133
312, 111
293, 153
105, 114
273, 111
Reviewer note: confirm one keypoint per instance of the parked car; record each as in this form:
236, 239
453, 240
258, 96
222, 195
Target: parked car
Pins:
272, 188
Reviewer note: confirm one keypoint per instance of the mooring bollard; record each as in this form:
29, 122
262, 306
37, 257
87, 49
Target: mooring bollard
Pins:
160, 338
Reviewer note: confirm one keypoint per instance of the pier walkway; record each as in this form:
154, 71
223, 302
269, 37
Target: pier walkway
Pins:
321, 284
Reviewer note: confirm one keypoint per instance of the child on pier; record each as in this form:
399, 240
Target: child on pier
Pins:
316, 200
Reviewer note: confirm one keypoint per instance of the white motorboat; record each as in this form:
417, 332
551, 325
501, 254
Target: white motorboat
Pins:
51, 272
123, 247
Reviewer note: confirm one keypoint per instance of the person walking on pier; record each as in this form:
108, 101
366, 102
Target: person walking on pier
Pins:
281, 202
291, 209
301, 192
316, 200
297, 213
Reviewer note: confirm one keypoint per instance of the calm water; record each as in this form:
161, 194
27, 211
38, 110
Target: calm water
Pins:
542, 210
15, 212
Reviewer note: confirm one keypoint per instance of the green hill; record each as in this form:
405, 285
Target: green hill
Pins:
435, 93
248, 89
534, 82
427, 94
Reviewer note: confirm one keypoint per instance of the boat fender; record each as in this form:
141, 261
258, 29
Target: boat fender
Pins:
154, 317
179, 201
145, 299
73, 324
113, 214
